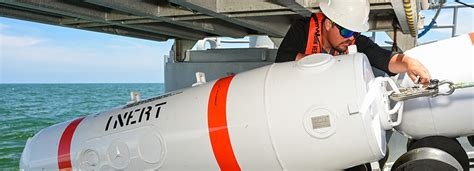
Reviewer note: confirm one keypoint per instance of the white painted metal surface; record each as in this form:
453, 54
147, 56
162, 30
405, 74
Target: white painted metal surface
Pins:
452, 116
40, 151
304, 115
317, 88
287, 116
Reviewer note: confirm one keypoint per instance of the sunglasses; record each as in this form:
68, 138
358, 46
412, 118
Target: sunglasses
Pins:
345, 32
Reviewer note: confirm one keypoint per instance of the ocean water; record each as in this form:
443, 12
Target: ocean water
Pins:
25, 109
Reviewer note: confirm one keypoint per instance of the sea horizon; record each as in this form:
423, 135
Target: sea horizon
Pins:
26, 108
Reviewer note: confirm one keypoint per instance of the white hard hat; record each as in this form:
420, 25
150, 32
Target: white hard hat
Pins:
350, 14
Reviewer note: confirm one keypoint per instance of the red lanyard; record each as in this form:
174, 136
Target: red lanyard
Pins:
315, 42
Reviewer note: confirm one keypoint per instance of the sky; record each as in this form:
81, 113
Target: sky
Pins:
39, 53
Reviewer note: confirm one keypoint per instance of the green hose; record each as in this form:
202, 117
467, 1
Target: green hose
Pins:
463, 85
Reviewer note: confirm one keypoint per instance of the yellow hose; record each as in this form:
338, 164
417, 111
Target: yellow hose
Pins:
410, 17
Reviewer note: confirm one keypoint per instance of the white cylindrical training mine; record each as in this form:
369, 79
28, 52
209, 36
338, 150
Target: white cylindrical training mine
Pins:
452, 116
290, 116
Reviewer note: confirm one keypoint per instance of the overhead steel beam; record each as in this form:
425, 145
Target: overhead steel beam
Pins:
168, 30
73, 21
128, 32
142, 7
63, 8
154, 11
280, 23
182, 19
245, 6
239, 15
297, 6
58, 7
217, 27
89, 25
376, 5
28, 16
55, 20
126, 22
209, 7
110, 17
194, 17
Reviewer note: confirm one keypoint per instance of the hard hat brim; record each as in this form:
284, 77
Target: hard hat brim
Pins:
362, 26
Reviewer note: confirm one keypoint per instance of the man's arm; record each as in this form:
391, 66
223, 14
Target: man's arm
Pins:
378, 57
294, 42
392, 63
299, 56
403, 63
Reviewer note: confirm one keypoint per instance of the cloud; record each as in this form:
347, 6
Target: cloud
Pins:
36, 53
18, 41
116, 61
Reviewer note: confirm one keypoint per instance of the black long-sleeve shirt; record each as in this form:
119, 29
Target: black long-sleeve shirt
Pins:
297, 36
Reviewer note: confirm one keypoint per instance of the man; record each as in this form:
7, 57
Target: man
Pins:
338, 26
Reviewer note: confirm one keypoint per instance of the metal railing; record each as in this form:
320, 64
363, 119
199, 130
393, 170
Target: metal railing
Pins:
453, 26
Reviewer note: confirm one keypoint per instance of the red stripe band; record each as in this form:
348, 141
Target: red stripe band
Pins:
217, 122
471, 35
64, 148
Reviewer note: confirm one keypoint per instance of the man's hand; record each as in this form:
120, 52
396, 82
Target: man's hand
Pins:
403, 63
415, 69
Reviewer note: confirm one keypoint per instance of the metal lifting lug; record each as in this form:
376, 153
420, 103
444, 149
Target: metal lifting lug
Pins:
432, 90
